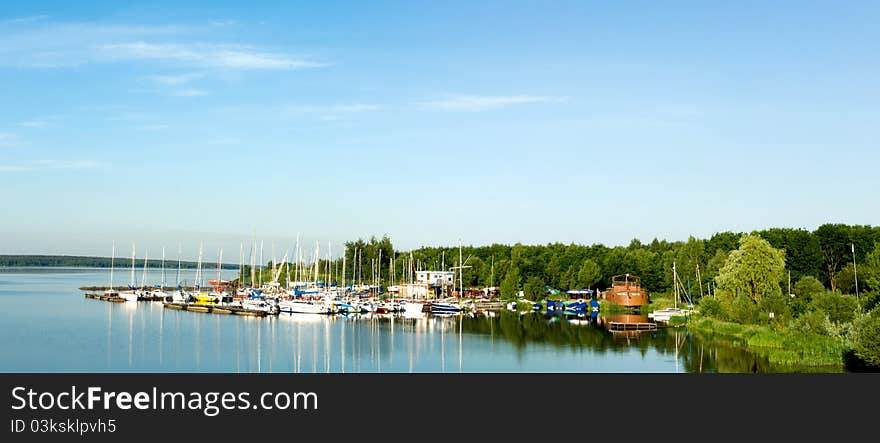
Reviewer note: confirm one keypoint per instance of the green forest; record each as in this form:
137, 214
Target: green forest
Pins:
824, 254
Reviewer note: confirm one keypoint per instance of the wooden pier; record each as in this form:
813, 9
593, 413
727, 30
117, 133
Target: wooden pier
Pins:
103, 297
215, 309
489, 305
622, 326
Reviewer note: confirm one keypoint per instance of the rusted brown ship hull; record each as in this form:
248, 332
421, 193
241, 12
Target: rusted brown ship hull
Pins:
630, 297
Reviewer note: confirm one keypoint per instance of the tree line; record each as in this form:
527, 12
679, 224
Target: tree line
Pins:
96, 262
825, 253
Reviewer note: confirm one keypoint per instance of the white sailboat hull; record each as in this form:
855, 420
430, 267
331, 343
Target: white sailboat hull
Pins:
412, 307
128, 295
305, 307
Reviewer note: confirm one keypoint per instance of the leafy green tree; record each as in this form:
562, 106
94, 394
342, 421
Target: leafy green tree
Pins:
589, 274
869, 273
845, 279
808, 287
753, 271
834, 243
803, 255
510, 284
804, 292
534, 288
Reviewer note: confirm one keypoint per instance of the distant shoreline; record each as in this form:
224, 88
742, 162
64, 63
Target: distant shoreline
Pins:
84, 262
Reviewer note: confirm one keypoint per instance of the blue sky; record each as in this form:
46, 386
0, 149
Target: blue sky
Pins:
532, 122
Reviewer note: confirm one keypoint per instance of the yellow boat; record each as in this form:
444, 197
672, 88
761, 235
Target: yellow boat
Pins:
205, 298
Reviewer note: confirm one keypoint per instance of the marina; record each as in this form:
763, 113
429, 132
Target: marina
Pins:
88, 335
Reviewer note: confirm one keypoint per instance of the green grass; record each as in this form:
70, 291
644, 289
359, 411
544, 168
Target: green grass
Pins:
784, 349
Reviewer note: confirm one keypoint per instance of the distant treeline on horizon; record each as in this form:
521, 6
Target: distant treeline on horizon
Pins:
96, 262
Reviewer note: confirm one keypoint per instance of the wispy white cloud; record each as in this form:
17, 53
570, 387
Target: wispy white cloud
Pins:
223, 23
28, 19
206, 55
331, 112
42, 165
188, 92
155, 127
332, 109
476, 103
32, 123
48, 44
7, 139
175, 80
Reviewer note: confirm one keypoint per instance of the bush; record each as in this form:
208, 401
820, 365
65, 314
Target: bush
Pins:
804, 291
778, 305
839, 308
711, 307
813, 322
870, 300
808, 287
743, 310
866, 340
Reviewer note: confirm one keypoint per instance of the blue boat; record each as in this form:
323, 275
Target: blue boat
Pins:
444, 307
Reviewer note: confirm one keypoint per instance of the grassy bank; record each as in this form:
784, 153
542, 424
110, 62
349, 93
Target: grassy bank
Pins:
782, 348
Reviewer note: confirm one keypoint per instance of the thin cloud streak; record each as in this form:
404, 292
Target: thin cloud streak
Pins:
476, 103
46, 44
7, 139
175, 80
32, 124
206, 56
42, 165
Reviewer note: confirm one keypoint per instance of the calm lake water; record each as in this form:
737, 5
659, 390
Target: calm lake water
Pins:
49, 326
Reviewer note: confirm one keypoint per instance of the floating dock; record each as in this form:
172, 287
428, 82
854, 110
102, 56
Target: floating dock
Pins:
622, 326
215, 309
105, 298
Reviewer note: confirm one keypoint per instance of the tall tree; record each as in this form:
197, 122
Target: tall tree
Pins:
510, 284
589, 274
753, 270
834, 243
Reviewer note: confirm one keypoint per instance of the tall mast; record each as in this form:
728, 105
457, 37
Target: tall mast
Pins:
163, 268
241, 264
144, 275
260, 275
492, 273
700, 280
112, 259
219, 261
317, 259
198, 282
179, 251
675, 285
296, 260
253, 263
132, 265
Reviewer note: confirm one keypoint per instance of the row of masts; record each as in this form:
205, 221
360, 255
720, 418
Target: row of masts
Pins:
303, 271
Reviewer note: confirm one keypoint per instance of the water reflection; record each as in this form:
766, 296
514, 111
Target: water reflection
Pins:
502, 342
